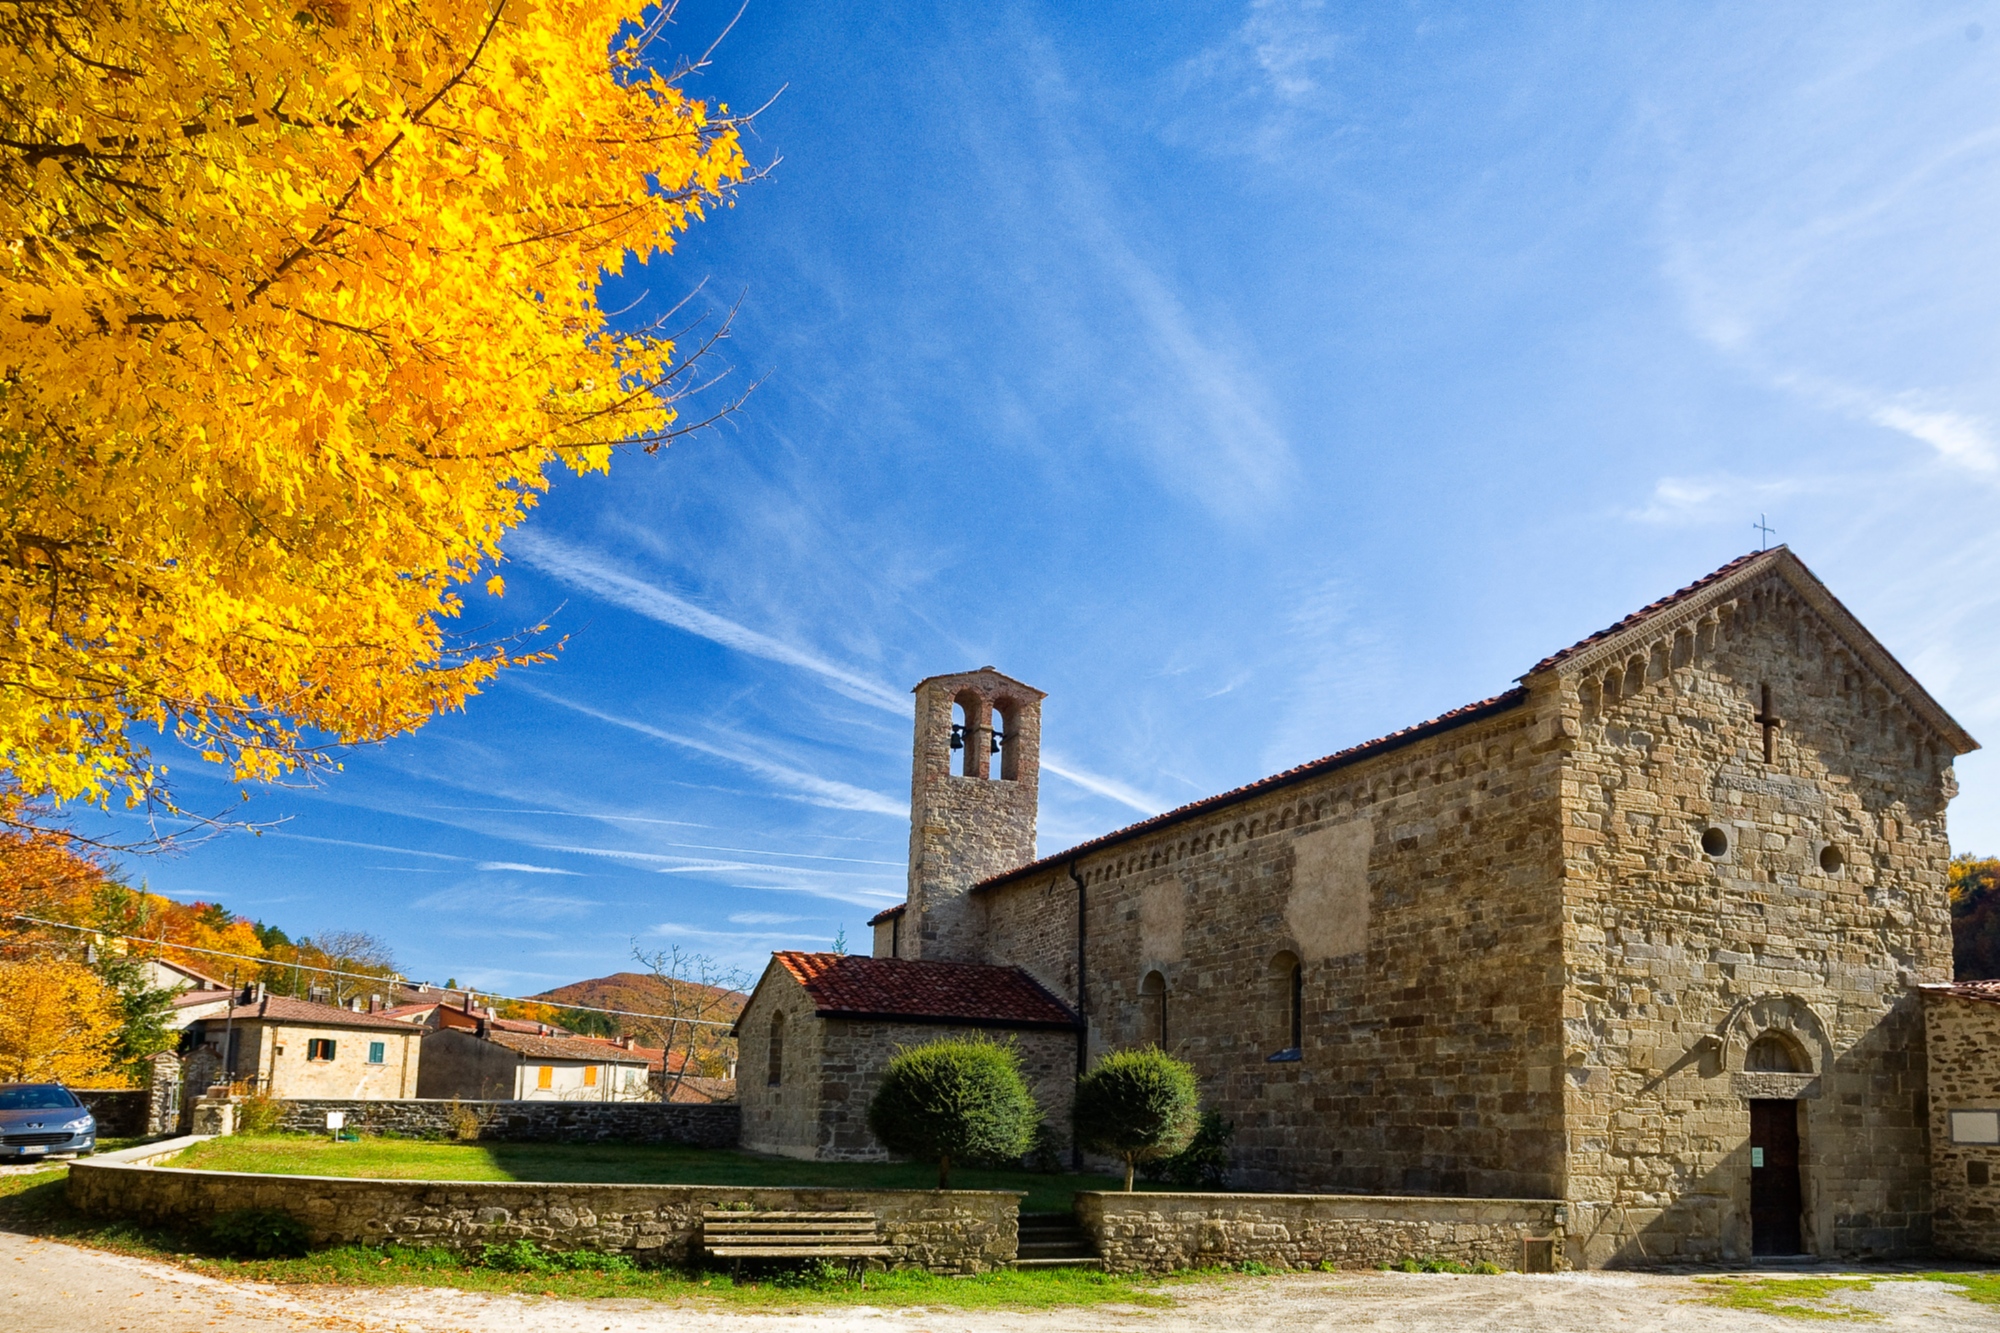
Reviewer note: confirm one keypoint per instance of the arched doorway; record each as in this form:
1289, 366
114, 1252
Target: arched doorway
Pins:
1776, 1199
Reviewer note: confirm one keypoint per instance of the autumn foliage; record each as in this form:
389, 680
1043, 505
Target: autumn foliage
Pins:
298, 308
58, 1024
1975, 918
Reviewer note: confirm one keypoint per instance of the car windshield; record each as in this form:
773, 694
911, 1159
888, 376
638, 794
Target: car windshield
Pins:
35, 1097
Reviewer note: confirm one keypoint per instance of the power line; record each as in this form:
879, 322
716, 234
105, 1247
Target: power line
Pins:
366, 976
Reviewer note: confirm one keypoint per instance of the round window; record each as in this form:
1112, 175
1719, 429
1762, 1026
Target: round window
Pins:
1830, 859
1715, 842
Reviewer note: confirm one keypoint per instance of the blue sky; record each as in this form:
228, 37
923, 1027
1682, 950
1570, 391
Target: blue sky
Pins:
1254, 379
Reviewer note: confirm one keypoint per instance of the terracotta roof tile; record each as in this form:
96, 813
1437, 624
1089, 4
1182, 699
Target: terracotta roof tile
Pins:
1650, 610
564, 1048
1988, 991
975, 994
284, 1009
888, 913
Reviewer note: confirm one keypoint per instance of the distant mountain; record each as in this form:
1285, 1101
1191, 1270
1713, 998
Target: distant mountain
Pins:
644, 993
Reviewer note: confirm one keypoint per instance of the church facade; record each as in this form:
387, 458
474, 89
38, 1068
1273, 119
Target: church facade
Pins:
1642, 934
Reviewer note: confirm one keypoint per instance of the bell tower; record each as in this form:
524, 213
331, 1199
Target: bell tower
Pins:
973, 783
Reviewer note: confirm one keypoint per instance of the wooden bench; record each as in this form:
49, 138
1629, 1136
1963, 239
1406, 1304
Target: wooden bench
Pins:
740, 1235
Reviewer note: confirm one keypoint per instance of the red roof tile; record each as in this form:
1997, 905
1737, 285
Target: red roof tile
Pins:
1647, 612
1988, 991
888, 913
974, 994
284, 1009
564, 1048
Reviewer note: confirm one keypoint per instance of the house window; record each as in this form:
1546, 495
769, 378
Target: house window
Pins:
545, 1076
775, 1071
319, 1048
378, 1052
590, 1076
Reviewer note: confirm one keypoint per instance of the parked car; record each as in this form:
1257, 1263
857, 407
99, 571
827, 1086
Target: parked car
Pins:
40, 1119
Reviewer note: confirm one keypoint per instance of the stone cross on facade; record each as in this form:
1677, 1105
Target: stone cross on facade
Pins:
1768, 719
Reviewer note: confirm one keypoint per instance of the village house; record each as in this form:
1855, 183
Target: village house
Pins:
286, 1047
496, 1061
1645, 933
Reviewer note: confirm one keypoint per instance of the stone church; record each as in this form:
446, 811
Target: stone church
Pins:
1643, 934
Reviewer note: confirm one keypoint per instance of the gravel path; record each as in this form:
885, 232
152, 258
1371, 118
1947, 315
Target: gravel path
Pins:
51, 1288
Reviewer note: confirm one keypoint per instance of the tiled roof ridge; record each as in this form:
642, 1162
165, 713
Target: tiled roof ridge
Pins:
1457, 717
974, 994
887, 913
1652, 609
285, 1008
1986, 990
564, 1048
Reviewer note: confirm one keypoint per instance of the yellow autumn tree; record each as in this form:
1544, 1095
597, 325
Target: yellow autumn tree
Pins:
58, 1024
298, 310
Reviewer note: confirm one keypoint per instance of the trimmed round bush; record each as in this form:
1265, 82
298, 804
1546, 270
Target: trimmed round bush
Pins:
1138, 1105
955, 1101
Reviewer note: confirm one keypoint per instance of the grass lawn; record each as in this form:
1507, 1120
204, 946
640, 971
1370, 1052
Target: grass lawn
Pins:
33, 1204
1821, 1298
608, 1163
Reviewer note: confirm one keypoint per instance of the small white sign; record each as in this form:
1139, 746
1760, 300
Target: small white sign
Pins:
1756, 1157
336, 1120
1975, 1126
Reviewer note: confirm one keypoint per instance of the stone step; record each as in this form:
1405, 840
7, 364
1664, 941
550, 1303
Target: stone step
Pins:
1090, 1262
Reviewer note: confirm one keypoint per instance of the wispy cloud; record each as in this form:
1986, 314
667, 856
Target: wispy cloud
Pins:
522, 868
1959, 438
1109, 788
762, 919
590, 572
797, 783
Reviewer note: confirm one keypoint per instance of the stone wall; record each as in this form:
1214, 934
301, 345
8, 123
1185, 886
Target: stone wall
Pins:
120, 1112
818, 1109
1416, 888
1156, 1233
1964, 1048
957, 1231
856, 1053
1822, 901
780, 1108
714, 1125
964, 828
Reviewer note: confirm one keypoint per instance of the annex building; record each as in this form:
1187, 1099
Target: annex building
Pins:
1645, 934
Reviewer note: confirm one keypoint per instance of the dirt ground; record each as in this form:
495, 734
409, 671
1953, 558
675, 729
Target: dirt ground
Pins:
47, 1287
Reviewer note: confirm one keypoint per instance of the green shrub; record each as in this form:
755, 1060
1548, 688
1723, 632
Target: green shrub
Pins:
1484, 1266
522, 1255
1137, 1105
1203, 1164
259, 1233
259, 1113
955, 1101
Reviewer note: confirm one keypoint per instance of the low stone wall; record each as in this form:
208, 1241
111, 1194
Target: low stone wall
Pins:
713, 1125
1155, 1233
120, 1112
954, 1231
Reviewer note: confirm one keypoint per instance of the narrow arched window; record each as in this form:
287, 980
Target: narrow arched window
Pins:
1153, 1008
972, 732
775, 1071
1006, 751
1288, 1004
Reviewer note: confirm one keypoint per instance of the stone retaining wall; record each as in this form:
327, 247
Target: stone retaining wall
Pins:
955, 1231
712, 1125
1156, 1233
120, 1112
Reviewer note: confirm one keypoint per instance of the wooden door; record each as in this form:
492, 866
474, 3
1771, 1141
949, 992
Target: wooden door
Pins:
1775, 1197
